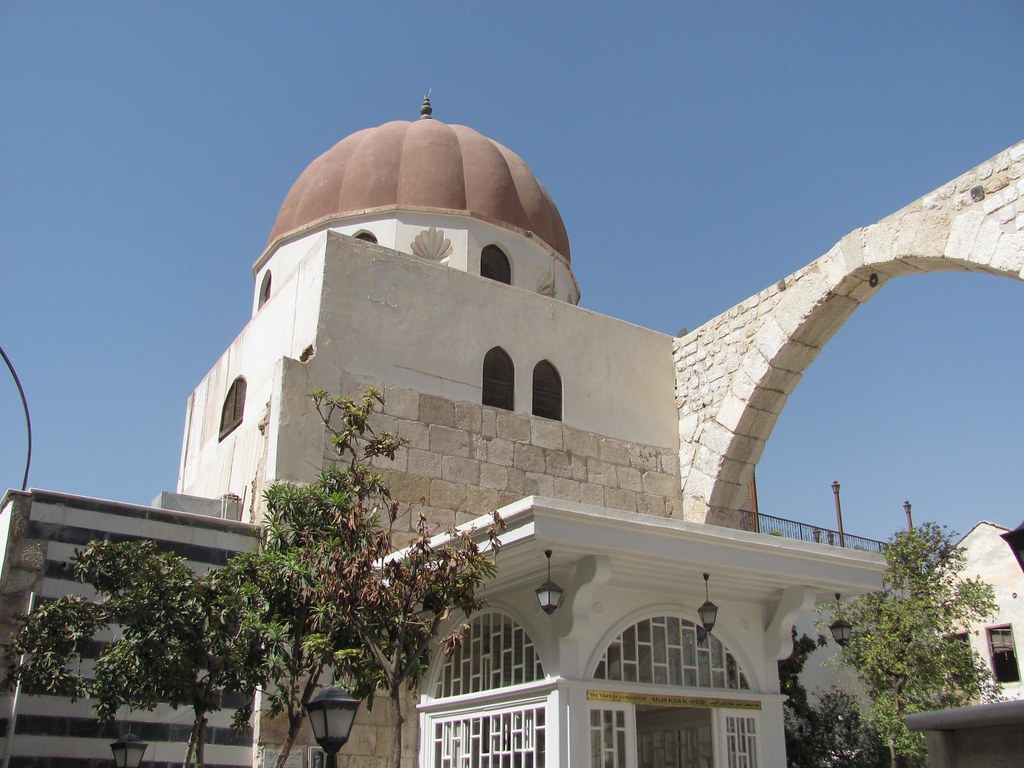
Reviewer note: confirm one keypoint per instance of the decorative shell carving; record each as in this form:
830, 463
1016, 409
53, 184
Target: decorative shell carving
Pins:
432, 245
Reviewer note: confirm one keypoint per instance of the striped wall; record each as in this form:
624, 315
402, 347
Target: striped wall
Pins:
39, 533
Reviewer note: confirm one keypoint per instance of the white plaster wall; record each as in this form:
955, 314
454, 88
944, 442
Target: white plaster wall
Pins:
409, 323
533, 263
402, 321
285, 326
989, 557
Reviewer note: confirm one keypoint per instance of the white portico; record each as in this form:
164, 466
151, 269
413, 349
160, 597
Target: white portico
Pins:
623, 675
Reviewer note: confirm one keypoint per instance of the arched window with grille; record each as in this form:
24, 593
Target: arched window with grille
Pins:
499, 380
494, 265
547, 391
264, 289
670, 650
368, 237
234, 407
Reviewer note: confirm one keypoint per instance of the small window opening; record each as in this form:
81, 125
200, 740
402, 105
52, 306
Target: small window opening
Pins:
234, 407
264, 290
499, 380
547, 391
494, 265
369, 237
1004, 655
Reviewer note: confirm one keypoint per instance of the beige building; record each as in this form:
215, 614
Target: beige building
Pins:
427, 260
988, 557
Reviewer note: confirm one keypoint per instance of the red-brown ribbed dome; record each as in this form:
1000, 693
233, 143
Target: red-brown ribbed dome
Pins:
424, 164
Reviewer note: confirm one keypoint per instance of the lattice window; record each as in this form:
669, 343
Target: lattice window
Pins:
495, 653
514, 737
667, 650
607, 738
741, 741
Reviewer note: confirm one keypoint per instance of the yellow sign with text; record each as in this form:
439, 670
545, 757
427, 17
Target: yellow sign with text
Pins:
662, 700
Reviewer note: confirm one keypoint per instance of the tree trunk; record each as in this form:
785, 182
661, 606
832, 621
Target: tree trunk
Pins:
201, 744
399, 721
295, 717
294, 724
187, 763
897, 760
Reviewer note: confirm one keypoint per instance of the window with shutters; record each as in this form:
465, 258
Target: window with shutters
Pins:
264, 290
1004, 655
494, 265
547, 391
234, 407
498, 380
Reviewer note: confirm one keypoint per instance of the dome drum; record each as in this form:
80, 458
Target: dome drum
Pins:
400, 176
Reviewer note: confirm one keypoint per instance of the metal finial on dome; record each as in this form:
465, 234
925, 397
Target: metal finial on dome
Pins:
425, 109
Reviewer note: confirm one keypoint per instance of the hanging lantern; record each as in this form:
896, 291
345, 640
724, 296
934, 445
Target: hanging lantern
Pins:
549, 594
709, 611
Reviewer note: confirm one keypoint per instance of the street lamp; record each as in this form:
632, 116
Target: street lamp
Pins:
1015, 539
331, 713
128, 751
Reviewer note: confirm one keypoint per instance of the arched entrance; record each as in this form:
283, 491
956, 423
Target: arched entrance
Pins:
667, 694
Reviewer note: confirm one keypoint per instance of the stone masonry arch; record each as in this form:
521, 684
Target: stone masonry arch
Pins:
735, 373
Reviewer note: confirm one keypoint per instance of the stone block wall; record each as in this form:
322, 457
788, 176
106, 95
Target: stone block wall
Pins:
462, 460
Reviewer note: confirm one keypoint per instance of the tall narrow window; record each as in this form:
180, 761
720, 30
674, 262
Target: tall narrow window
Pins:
494, 265
234, 407
264, 290
1004, 656
369, 237
547, 391
499, 378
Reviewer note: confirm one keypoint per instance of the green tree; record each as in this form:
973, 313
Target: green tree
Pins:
181, 638
904, 648
801, 722
841, 738
333, 595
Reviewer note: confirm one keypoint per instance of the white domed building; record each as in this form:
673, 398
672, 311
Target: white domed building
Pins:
427, 260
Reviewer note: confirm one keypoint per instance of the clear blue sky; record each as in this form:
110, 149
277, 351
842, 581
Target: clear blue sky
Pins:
698, 152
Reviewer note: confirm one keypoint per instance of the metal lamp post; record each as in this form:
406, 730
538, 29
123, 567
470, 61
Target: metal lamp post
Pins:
128, 751
331, 713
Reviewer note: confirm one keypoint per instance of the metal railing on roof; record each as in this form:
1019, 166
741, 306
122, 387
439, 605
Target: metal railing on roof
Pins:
792, 529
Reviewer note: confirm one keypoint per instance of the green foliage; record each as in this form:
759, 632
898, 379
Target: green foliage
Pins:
903, 647
800, 721
330, 590
180, 638
840, 738
829, 733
